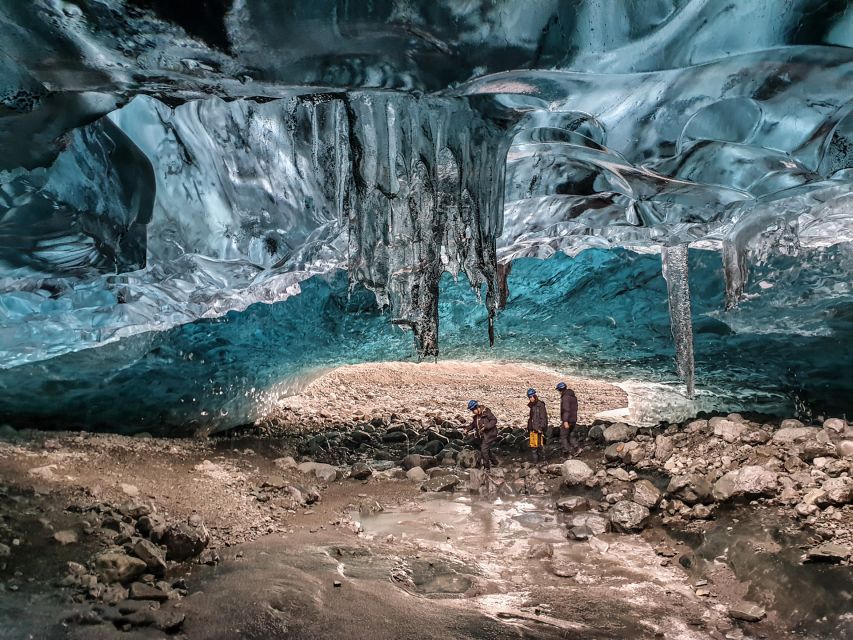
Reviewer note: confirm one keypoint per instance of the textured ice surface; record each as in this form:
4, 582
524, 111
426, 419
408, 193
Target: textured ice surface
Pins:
253, 145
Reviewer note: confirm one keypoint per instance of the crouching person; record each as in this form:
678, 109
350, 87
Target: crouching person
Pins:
485, 427
537, 424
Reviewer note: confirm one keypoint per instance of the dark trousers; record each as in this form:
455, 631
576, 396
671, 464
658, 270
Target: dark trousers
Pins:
486, 454
569, 439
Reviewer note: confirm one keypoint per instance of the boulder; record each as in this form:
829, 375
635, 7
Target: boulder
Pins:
729, 431
440, 483
614, 451
749, 481
184, 540
433, 447
620, 474
663, 448
690, 489
287, 462
619, 432
839, 491
646, 494
836, 425
632, 452
572, 504
787, 435
116, 566
844, 448
627, 515
417, 474
360, 471
575, 472
324, 472
596, 433
151, 555
791, 423
582, 526
468, 458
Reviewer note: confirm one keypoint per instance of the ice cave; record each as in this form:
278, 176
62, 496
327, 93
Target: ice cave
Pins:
257, 255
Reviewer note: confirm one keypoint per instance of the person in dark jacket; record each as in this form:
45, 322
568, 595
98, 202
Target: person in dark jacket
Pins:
537, 424
485, 426
568, 420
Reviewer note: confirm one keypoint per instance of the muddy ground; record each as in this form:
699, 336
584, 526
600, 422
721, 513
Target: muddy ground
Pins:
314, 552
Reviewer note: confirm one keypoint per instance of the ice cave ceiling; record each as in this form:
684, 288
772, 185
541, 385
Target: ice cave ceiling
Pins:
168, 163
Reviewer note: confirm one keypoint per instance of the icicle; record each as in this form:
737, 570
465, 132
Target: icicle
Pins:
734, 268
504, 270
675, 271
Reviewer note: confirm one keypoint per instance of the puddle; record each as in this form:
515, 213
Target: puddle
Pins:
814, 599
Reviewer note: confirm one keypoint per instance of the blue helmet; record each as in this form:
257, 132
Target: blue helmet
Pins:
561, 386
473, 404
531, 392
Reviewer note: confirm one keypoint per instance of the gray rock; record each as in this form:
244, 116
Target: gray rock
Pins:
274, 482
787, 435
747, 481
147, 524
620, 474
65, 537
468, 458
646, 494
619, 432
572, 504
416, 460
839, 491
596, 433
575, 472
844, 448
627, 515
584, 525
116, 566
632, 452
729, 431
663, 448
416, 474
323, 472
827, 552
690, 489
836, 425
142, 591
747, 612
360, 471
791, 423
540, 551
440, 483
184, 540
151, 555
5, 551
287, 462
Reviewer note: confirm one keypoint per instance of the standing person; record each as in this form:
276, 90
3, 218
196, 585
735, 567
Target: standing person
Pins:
537, 424
568, 420
485, 426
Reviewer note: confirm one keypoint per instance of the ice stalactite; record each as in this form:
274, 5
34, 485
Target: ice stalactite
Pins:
427, 197
676, 273
734, 269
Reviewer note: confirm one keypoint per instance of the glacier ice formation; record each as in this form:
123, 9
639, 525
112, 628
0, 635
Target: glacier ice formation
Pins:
166, 167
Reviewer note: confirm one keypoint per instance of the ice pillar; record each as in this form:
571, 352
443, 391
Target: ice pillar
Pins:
676, 273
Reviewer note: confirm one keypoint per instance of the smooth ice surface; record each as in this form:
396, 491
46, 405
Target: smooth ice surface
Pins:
164, 168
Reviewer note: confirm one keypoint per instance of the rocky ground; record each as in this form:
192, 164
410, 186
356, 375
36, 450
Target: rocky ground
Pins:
417, 393
373, 517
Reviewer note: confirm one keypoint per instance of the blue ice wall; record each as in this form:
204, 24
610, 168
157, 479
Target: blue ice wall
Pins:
602, 313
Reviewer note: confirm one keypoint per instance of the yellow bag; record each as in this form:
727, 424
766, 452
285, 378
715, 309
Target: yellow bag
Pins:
535, 440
